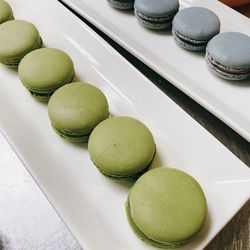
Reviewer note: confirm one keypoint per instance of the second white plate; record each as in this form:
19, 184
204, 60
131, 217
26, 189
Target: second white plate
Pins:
229, 101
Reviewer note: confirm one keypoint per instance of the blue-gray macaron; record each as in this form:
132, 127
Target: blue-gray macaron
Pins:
227, 55
156, 14
122, 4
193, 27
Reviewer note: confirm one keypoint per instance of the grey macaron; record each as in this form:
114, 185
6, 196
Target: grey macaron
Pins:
156, 14
193, 27
122, 4
228, 55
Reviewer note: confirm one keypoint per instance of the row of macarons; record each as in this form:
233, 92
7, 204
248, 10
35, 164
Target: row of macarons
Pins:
196, 29
158, 207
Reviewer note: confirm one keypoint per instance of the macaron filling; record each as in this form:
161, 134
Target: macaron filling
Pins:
144, 237
224, 69
156, 20
74, 136
188, 40
160, 22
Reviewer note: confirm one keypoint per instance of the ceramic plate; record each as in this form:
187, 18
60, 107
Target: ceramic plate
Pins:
91, 205
187, 70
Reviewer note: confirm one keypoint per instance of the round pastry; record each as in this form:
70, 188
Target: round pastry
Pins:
122, 4
17, 38
156, 14
228, 57
6, 13
166, 207
45, 70
193, 27
75, 109
121, 147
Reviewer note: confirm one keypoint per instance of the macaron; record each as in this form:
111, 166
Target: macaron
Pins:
75, 109
156, 14
43, 71
122, 4
17, 38
6, 13
166, 207
193, 27
227, 56
121, 147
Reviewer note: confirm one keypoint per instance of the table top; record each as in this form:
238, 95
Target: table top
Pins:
28, 221
245, 10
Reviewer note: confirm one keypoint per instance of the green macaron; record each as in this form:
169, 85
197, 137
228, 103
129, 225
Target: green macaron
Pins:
121, 147
75, 109
43, 71
6, 13
17, 38
166, 207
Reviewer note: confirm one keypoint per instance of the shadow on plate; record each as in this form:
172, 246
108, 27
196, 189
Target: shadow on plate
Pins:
164, 32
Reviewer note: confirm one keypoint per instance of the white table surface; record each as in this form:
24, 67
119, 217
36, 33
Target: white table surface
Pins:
27, 220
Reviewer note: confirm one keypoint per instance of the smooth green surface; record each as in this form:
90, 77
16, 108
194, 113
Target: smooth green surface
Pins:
44, 70
75, 109
17, 38
121, 147
6, 13
144, 237
166, 207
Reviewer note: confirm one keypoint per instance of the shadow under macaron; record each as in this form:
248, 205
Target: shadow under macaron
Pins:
76, 79
162, 32
239, 83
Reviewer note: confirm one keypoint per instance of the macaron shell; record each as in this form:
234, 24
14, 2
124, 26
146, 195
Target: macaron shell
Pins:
121, 146
77, 107
17, 38
144, 237
122, 4
230, 49
6, 13
45, 70
197, 23
127, 177
72, 136
168, 205
184, 43
159, 8
156, 23
221, 73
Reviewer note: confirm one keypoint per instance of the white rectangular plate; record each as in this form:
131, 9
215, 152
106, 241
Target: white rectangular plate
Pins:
187, 70
90, 204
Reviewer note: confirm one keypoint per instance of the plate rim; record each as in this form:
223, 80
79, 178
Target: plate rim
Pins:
172, 79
